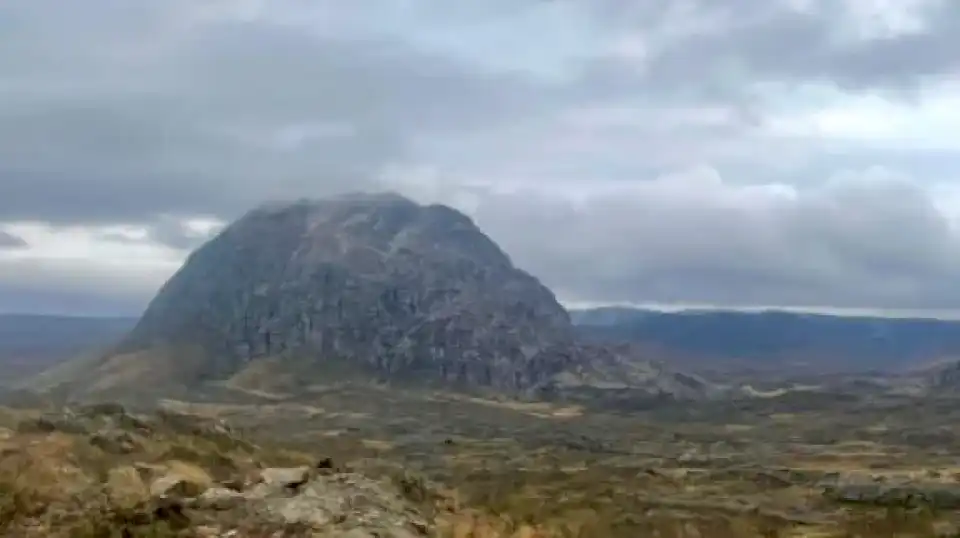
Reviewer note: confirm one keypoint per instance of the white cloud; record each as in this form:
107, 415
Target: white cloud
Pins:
885, 19
114, 262
109, 245
870, 120
202, 227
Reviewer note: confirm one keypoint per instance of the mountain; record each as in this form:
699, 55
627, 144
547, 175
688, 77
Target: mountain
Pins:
374, 286
30, 343
776, 339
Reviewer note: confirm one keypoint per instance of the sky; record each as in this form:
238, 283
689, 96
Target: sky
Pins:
734, 154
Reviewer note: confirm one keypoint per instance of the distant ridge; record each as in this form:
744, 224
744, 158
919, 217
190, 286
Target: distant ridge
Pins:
774, 338
30, 343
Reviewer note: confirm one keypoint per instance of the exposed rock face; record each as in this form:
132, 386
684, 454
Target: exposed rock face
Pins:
379, 283
408, 290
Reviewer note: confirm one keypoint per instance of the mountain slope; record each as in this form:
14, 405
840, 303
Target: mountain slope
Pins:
375, 284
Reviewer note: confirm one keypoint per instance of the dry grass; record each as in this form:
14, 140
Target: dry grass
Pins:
534, 409
512, 469
521, 472
60, 484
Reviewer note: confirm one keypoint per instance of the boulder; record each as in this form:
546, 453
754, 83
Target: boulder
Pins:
181, 481
219, 499
273, 479
115, 442
125, 488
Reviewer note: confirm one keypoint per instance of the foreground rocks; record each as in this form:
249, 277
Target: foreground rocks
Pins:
336, 504
177, 475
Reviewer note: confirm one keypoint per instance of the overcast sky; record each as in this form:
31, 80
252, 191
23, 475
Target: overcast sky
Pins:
732, 153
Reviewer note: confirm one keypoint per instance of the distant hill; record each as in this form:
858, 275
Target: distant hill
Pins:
370, 286
776, 339
30, 343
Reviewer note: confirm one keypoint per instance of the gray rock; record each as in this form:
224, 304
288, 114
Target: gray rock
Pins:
316, 512
274, 478
908, 495
219, 499
115, 442
178, 486
344, 504
64, 422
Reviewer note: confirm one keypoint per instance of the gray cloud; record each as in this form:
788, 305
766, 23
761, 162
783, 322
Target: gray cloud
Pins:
865, 240
852, 43
554, 123
212, 118
59, 286
8, 241
164, 231
174, 233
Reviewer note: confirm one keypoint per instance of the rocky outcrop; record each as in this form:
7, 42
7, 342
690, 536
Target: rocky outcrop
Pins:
53, 484
338, 502
614, 370
936, 495
400, 288
374, 283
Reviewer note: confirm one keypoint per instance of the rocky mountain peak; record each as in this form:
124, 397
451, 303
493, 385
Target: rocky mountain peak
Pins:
377, 279
386, 226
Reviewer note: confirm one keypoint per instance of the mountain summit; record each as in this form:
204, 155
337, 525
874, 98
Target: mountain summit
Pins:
390, 288
405, 289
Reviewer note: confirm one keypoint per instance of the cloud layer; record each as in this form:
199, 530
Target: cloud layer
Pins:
736, 154
10, 241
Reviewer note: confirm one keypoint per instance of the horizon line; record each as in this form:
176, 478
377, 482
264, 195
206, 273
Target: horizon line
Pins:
944, 314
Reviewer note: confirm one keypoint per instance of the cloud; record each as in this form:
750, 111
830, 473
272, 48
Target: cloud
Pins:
177, 113
76, 269
10, 241
864, 239
791, 152
184, 235
724, 47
